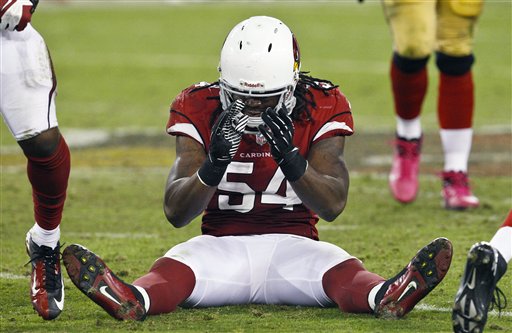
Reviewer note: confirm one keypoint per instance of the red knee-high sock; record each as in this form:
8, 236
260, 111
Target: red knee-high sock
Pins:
455, 101
508, 220
168, 284
409, 91
348, 285
49, 178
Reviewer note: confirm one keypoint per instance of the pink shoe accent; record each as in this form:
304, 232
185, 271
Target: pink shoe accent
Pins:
456, 191
403, 178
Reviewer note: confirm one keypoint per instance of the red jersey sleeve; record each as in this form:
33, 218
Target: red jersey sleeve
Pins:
191, 112
333, 115
330, 117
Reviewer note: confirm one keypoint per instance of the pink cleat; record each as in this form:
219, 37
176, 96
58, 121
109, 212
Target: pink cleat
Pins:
403, 178
456, 191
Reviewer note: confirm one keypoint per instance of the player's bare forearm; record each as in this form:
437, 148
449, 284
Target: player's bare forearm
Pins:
185, 196
324, 186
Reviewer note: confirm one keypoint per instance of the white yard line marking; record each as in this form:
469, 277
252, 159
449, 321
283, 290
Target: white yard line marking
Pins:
501, 157
111, 235
433, 308
90, 137
420, 307
10, 276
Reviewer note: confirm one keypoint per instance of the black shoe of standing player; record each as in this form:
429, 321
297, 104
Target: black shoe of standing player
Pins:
484, 267
46, 284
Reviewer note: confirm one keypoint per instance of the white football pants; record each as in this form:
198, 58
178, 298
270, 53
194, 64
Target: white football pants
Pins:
27, 83
265, 269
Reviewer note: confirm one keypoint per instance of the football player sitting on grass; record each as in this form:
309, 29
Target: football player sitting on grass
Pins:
260, 154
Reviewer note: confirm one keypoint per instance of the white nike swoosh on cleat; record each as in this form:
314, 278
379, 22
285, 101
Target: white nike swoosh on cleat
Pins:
472, 282
103, 291
33, 286
60, 304
411, 285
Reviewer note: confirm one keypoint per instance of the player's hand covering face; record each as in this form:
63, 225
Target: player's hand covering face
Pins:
224, 141
227, 134
278, 131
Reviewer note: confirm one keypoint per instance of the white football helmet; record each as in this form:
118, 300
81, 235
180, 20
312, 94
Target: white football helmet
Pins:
260, 58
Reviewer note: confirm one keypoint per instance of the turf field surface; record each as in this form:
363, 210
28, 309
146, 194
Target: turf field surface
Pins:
119, 67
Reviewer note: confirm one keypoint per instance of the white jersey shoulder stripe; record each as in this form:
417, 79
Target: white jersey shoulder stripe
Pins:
187, 129
331, 126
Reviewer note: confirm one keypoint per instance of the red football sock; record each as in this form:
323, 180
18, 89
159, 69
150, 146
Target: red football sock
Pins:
409, 91
348, 285
168, 284
508, 220
49, 178
455, 101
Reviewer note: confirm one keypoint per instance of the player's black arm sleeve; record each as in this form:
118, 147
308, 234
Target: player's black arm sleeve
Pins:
324, 186
186, 197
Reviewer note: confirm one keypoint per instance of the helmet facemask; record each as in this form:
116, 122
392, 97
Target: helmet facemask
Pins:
260, 58
228, 95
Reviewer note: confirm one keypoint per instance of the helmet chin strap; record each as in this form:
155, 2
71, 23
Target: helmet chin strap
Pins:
251, 130
254, 122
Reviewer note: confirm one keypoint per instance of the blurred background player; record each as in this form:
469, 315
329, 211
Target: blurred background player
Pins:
418, 28
27, 104
259, 154
486, 264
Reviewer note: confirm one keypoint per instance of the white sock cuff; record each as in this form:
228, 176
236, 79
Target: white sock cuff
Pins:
372, 294
456, 147
45, 237
502, 241
145, 295
408, 128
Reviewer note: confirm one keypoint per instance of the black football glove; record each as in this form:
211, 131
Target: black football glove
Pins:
279, 134
224, 141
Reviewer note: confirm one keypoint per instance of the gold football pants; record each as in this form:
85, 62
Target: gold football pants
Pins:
420, 27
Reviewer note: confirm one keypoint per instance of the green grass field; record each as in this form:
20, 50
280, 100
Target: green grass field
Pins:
118, 70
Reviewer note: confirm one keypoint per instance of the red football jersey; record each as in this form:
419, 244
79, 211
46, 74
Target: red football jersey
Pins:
253, 196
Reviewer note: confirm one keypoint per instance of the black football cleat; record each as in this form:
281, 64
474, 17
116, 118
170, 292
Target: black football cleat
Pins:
92, 276
399, 295
46, 283
484, 267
